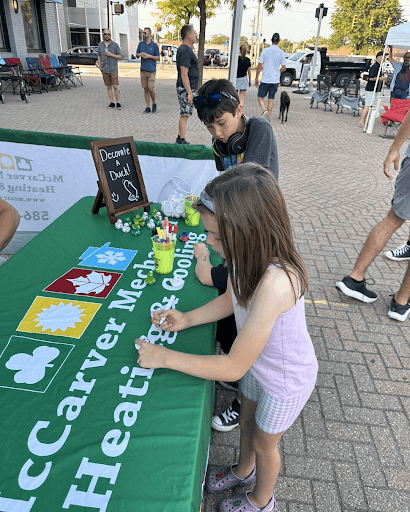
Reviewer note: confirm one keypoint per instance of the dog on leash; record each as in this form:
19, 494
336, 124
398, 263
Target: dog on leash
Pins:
284, 105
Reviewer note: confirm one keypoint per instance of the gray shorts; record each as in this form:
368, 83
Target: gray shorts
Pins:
185, 108
401, 199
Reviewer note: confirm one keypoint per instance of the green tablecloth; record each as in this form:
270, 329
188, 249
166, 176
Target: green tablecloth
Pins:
86, 429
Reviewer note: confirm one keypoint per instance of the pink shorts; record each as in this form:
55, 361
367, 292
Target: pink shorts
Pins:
273, 415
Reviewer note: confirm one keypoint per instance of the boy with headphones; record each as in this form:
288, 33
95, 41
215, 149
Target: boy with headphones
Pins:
235, 139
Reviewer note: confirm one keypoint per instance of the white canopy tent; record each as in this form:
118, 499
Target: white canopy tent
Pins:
397, 37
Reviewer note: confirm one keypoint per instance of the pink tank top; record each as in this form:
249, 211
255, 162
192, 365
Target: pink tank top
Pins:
287, 366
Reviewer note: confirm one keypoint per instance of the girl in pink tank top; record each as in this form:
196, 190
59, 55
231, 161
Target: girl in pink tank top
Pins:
245, 216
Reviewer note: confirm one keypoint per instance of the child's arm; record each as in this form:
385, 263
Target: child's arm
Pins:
273, 297
203, 264
9, 221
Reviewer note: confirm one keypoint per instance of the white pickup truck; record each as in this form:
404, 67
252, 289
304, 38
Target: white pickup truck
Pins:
339, 68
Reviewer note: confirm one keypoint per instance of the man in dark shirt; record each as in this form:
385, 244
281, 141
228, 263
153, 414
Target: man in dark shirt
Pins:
371, 82
187, 82
400, 85
148, 51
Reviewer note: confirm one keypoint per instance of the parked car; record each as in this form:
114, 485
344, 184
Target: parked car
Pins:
86, 55
174, 49
220, 59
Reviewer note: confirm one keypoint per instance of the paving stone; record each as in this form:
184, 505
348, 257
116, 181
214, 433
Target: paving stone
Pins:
386, 447
401, 427
364, 415
344, 356
313, 420
401, 346
347, 390
326, 497
362, 377
399, 375
370, 468
393, 388
293, 439
398, 479
305, 467
296, 507
334, 368
327, 449
389, 356
376, 366
348, 432
379, 401
359, 346
382, 501
349, 485
295, 489
330, 404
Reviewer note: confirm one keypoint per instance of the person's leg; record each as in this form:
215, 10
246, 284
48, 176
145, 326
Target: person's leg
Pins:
117, 93
110, 94
152, 92
262, 103
402, 296
242, 97
363, 116
183, 121
377, 239
247, 424
147, 96
266, 449
270, 107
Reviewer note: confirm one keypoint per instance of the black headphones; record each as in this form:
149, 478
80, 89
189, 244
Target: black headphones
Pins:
235, 145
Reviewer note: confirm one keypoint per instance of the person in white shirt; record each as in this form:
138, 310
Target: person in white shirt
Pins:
273, 62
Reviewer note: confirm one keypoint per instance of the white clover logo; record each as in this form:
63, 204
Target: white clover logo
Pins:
32, 367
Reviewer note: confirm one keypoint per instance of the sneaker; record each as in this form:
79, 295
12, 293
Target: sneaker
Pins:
181, 141
399, 312
265, 114
119, 106
401, 253
147, 110
111, 105
232, 386
356, 290
229, 419
154, 108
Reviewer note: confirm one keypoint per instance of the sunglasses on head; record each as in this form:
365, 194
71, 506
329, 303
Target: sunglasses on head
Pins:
212, 99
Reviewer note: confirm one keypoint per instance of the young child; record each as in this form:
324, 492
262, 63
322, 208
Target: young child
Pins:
247, 222
235, 138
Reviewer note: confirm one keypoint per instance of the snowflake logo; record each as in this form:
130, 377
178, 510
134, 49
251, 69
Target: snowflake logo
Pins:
111, 257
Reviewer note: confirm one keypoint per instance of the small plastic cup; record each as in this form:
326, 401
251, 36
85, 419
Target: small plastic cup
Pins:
192, 217
163, 256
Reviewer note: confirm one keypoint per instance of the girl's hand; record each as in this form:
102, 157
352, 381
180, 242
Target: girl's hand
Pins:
200, 250
149, 355
174, 320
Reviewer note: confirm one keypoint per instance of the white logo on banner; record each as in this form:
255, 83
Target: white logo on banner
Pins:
32, 368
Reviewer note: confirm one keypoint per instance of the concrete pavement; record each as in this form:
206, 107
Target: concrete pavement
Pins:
349, 451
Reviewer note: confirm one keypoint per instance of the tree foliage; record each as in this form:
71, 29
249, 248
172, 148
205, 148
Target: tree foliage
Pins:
218, 39
286, 45
179, 12
363, 37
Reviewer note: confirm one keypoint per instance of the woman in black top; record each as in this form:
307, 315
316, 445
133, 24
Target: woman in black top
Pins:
244, 68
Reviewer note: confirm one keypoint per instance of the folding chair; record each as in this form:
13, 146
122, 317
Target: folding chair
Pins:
350, 96
11, 76
36, 68
47, 68
394, 116
32, 81
75, 75
61, 70
323, 92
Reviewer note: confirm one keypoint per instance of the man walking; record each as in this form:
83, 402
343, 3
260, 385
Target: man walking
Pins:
371, 85
354, 285
273, 62
148, 51
187, 82
400, 85
109, 53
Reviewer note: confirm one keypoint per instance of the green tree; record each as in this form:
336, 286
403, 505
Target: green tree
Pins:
363, 37
243, 40
218, 39
286, 45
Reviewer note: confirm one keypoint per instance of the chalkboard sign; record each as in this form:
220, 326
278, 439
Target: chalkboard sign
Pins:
121, 185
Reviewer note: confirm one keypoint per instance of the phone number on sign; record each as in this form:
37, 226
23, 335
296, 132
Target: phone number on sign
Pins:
35, 215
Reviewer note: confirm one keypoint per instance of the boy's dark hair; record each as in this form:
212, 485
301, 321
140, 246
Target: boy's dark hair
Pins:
210, 111
378, 54
185, 30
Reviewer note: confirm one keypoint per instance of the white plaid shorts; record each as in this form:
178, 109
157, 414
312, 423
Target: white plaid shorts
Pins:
272, 414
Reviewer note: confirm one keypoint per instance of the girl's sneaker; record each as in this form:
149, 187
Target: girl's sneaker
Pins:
242, 503
229, 419
223, 478
398, 311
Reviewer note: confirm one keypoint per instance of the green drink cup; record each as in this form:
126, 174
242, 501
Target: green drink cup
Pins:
163, 255
192, 217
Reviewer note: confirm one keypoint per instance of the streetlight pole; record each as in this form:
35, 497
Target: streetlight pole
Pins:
321, 11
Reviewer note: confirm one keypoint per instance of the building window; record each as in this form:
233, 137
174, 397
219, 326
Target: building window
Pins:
4, 35
33, 29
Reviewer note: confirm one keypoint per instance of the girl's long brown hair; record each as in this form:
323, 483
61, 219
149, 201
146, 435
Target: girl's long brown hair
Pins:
254, 228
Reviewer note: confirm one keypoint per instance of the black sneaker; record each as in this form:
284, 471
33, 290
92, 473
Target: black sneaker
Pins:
232, 386
356, 290
147, 110
181, 141
401, 253
111, 105
229, 419
119, 106
399, 312
154, 108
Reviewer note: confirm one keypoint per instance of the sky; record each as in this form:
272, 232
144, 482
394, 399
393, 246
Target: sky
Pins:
296, 24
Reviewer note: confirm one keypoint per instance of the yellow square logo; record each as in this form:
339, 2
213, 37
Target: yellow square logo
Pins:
58, 317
